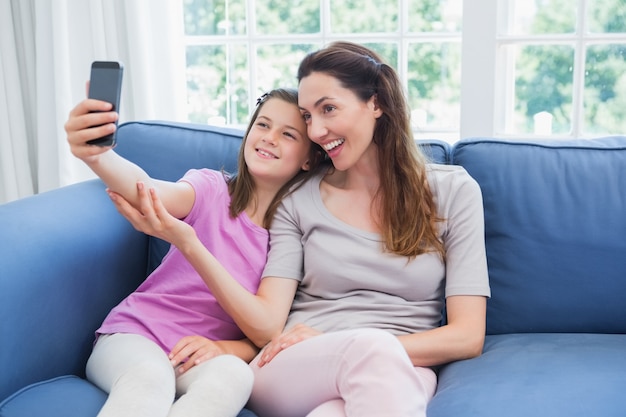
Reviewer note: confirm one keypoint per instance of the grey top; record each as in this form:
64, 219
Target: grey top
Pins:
347, 281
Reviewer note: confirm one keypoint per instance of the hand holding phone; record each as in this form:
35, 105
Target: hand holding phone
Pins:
105, 84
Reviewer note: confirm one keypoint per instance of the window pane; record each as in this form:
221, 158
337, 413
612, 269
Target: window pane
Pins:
363, 16
435, 15
217, 87
278, 65
276, 17
543, 89
605, 90
434, 85
214, 17
607, 16
534, 17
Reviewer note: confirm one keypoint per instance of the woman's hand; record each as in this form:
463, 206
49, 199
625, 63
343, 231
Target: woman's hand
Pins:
296, 334
90, 119
196, 349
152, 218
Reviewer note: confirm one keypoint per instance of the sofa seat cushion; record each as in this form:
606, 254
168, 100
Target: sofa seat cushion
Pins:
522, 375
64, 396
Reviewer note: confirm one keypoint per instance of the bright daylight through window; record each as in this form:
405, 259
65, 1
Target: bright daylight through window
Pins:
560, 65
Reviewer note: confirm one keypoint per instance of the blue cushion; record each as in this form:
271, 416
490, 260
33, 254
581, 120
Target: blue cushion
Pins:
555, 225
64, 396
437, 151
167, 150
525, 375
57, 281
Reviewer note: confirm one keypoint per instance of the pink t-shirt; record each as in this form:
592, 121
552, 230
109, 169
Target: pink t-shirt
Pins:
174, 301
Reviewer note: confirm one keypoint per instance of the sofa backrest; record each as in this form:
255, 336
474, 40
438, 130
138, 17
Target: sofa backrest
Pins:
555, 216
66, 258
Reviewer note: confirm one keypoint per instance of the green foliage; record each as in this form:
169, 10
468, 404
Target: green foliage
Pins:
218, 73
364, 16
277, 17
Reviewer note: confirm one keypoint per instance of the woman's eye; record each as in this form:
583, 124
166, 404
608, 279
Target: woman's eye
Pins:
306, 117
328, 109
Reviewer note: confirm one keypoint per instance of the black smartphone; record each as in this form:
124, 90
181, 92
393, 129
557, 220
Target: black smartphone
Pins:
105, 83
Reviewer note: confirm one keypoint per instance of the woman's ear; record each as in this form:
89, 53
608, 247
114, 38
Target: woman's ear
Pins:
373, 104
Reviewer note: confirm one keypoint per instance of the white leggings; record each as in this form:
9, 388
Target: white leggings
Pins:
141, 381
358, 373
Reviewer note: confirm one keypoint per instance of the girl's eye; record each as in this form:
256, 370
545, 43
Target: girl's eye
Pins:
289, 135
262, 124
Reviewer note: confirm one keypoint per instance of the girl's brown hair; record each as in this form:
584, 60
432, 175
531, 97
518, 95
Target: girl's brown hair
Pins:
405, 204
241, 187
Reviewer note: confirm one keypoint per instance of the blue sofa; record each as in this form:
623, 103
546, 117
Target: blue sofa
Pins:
555, 215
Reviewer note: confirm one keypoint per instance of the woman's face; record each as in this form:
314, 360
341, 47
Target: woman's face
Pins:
337, 119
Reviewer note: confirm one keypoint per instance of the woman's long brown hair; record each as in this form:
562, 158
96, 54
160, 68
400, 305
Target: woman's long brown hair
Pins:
407, 211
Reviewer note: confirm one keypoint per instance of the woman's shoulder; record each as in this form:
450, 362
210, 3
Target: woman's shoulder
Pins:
453, 174
448, 181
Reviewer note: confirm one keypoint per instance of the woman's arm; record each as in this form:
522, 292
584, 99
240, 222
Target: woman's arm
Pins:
119, 174
466, 270
461, 338
261, 316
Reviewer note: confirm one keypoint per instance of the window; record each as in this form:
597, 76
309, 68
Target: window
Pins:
545, 67
238, 49
550, 68
563, 67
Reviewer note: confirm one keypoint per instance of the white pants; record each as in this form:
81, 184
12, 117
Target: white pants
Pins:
360, 373
141, 381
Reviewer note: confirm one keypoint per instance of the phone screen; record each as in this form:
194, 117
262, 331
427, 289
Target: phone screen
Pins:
105, 84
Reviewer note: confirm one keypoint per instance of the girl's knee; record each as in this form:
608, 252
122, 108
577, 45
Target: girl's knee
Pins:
152, 373
230, 368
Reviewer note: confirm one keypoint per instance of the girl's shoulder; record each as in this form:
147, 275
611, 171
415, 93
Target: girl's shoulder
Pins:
206, 177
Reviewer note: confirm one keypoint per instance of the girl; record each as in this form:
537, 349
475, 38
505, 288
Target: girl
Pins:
170, 338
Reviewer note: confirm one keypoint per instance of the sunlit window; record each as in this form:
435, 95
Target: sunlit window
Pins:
502, 68
236, 50
562, 67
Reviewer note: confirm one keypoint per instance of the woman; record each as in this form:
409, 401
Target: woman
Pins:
376, 241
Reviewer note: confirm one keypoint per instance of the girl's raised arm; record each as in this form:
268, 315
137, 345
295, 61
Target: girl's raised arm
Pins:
92, 119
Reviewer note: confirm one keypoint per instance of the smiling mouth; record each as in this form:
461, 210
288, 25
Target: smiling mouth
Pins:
332, 145
266, 153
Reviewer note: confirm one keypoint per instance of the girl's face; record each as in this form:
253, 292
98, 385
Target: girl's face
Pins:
337, 119
277, 146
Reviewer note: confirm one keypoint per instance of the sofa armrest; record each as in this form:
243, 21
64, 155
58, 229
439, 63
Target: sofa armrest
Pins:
66, 258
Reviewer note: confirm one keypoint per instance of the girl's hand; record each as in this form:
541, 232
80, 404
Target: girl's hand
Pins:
90, 119
294, 335
196, 349
152, 218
